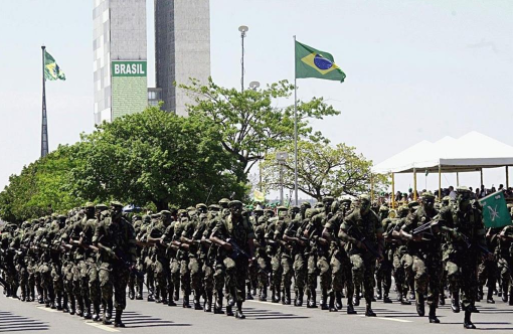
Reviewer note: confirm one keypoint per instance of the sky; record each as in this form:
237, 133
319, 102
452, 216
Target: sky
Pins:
416, 70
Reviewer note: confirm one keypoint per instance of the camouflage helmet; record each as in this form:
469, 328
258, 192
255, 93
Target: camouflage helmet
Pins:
259, 209
234, 203
214, 207
201, 206
306, 205
116, 204
89, 205
223, 202
328, 199
165, 213
101, 207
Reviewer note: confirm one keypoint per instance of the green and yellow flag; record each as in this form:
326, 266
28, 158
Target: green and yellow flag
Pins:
52, 70
495, 210
258, 196
312, 63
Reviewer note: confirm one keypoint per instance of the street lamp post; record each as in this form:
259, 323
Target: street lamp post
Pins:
243, 30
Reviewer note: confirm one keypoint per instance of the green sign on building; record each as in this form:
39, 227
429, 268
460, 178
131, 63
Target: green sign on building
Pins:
129, 87
129, 68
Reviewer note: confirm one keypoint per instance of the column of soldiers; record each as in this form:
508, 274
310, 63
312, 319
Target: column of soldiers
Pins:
86, 262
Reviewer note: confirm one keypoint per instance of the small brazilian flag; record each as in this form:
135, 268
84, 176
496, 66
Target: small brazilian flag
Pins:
312, 63
52, 70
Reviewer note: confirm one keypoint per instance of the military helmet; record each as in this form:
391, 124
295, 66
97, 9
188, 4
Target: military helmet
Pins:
428, 195
234, 203
413, 204
165, 213
462, 189
364, 198
282, 208
259, 209
201, 206
214, 207
306, 205
328, 199
89, 205
116, 204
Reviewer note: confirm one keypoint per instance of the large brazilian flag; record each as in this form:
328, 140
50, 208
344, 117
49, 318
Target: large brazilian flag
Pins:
495, 210
313, 63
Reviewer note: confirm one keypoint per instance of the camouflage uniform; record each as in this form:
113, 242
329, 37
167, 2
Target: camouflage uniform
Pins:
362, 224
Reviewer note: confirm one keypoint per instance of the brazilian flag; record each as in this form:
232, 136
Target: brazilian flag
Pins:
313, 63
52, 70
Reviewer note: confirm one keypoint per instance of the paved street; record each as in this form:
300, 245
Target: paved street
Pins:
262, 317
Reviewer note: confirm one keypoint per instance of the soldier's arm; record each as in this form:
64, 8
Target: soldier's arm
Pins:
217, 236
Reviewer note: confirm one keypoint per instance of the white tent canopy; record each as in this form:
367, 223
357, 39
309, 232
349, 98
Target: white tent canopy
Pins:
471, 152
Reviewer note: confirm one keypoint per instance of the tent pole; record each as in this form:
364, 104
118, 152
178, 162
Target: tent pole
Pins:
440, 182
481, 172
414, 184
507, 177
393, 191
372, 187
457, 179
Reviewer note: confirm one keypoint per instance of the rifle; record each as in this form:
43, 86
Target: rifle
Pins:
360, 237
236, 250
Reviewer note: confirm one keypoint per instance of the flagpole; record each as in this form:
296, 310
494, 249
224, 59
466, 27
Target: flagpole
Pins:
44, 121
295, 125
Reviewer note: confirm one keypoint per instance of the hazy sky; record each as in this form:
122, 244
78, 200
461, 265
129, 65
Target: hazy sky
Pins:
416, 69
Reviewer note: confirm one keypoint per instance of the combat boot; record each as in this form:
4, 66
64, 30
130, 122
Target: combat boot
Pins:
238, 313
87, 309
58, 302
467, 322
332, 307
489, 297
338, 300
185, 302
207, 307
80, 311
106, 317
109, 309
299, 298
117, 320
262, 296
72, 306
350, 308
287, 296
369, 312
139, 295
170, 301
404, 299
218, 306
157, 295
197, 303
432, 315
65, 308
96, 315
324, 300
131, 293
386, 299
378, 292
229, 311
480, 293
455, 303
442, 298
312, 303
420, 305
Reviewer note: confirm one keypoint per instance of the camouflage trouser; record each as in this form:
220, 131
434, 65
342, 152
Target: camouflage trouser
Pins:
77, 291
46, 281
84, 279
120, 276
427, 270
57, 280
312, 272
362, 269
402, 271
262, 268
253, 276
219, 277
384, 275
487, 273
300, 272
324, 273
194, 267
276, 272
106, 281
208, 275
287, 272
175, 274
93, 280
23, 280
150, 274
185, 277
31, 279
236, 272
162, 276
340, 273
505, 273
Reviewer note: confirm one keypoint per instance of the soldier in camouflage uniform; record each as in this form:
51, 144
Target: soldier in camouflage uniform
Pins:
464, 226
298, 246
161, 260
285, 251
402, 261
505, 254
136, 223
115, 238
487, 271
234, 236
427, 256
339, 260
363, 232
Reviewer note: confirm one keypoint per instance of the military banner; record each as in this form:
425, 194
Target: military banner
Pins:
495, 210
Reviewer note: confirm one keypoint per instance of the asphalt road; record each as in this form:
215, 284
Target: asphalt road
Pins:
262, 317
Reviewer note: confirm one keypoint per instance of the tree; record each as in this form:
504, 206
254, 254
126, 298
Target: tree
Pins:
156, 157
43, 187
250, 122
323, 170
